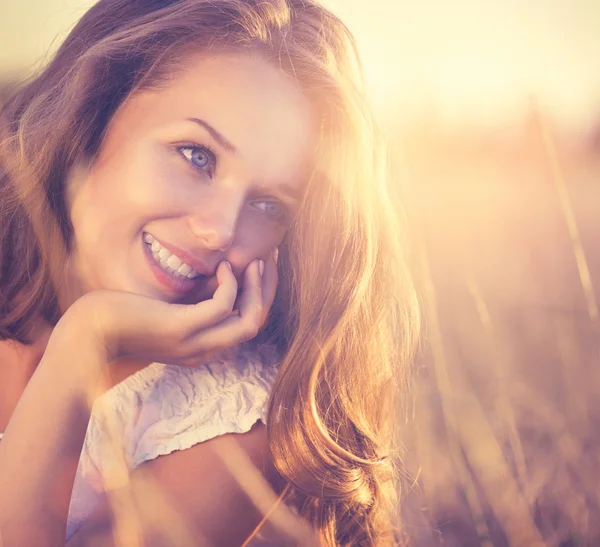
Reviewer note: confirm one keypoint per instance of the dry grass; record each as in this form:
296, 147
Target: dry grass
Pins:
505, 440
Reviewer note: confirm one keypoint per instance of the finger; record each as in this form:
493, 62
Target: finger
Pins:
219, 307
269, 282
251, 308
239, 328
227, 289
228, 333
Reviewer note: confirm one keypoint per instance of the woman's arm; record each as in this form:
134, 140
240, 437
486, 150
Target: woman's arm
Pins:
42, 443
40, 449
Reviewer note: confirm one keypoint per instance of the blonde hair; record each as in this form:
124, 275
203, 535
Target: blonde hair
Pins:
345, 316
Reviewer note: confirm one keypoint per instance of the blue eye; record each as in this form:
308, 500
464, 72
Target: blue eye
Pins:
272, 209
200, 157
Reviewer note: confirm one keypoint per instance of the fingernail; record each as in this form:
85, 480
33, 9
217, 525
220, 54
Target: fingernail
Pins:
261, 267
228, 265
276, 254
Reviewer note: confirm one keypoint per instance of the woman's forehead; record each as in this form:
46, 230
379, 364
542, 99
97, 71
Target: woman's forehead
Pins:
254, 106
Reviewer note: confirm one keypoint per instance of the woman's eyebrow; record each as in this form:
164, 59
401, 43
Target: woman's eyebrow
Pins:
215, 135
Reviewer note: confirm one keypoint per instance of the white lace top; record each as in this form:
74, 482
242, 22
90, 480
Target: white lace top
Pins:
164, 408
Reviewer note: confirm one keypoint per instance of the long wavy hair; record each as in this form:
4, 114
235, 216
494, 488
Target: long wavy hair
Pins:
345, 316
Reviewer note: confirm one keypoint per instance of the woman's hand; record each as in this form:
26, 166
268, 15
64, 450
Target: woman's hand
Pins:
139, 326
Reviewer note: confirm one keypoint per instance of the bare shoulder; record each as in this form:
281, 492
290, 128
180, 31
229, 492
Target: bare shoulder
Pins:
231, 452
214, 493
218, 489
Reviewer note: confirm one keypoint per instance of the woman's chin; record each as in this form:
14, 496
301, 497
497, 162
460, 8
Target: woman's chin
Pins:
204, 292
201, 293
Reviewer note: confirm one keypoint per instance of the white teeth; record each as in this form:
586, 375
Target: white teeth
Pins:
174, 262
168, 261
164, 254
184, 269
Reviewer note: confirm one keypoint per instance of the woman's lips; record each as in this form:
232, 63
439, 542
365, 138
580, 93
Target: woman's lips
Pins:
169, 281
187, 257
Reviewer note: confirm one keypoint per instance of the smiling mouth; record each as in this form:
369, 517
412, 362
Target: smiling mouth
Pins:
168, 261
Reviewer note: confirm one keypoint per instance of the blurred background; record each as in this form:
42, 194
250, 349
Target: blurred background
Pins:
492, 111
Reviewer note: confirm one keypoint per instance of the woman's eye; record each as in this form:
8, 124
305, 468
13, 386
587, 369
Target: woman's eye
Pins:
272, 209
199, 157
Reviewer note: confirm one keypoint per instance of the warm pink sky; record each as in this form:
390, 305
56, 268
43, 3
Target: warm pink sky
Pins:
474, 58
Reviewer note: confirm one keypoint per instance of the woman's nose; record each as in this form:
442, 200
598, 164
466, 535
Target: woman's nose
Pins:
215, 220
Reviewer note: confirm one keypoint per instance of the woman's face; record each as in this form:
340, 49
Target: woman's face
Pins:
210, 167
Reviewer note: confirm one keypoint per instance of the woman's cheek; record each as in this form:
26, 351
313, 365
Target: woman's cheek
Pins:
239, 263
260, 233
241, 257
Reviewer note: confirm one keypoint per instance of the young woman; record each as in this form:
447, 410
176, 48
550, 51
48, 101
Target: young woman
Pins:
198, 184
